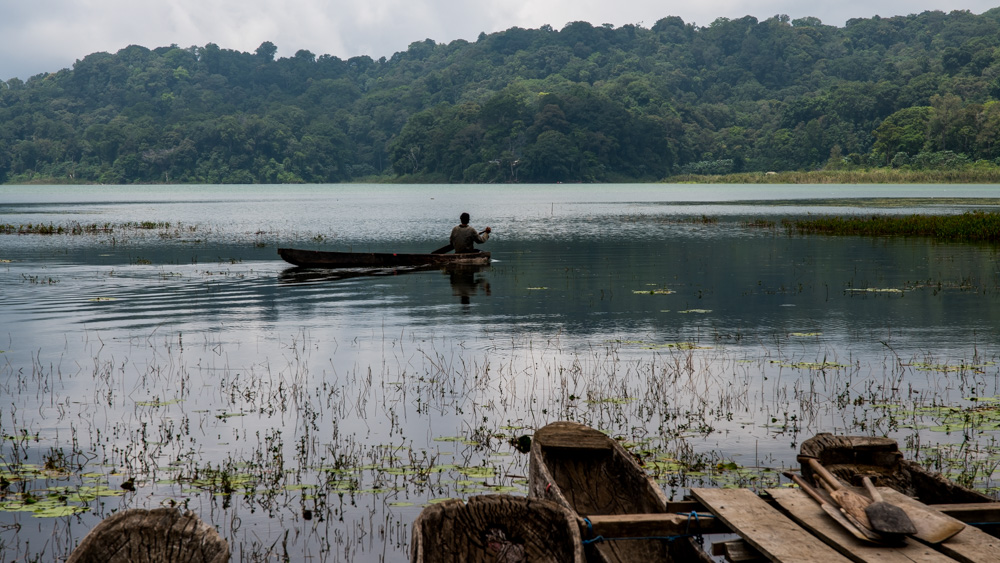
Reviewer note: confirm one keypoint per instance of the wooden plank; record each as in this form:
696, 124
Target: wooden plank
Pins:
652, 525
773, 534
969, 546
808, 513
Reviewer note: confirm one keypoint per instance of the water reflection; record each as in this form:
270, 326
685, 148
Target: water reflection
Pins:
313, 275
465, 279
465, 283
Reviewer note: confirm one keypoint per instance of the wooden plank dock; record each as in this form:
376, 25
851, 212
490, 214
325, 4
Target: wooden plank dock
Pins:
792, 528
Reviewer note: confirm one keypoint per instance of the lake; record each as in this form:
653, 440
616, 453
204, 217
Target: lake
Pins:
312, 414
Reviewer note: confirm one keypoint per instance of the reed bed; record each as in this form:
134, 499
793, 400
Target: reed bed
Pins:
75, 228
863, 176
973, 226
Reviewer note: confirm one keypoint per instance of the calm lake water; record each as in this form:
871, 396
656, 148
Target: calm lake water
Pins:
314, 413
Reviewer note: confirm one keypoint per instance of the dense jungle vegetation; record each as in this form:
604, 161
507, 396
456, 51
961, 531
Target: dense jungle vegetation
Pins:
584, 103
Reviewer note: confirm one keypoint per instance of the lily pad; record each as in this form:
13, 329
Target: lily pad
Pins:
660, 291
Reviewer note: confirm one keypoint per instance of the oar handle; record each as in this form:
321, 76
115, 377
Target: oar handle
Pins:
824, 473
806, 487
876, 496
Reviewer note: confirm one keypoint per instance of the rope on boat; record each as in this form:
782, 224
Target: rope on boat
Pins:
691, 516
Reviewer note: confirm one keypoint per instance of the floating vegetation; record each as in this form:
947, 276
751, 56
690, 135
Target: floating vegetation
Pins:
155, 402
697, 311
610, 400
873, 290
804, 334
810, 365
947, 368
678, 346
660, 291
459, 439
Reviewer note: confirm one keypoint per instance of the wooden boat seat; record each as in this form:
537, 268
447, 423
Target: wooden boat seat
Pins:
560, 441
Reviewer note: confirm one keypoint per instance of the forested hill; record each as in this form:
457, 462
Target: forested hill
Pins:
584, 103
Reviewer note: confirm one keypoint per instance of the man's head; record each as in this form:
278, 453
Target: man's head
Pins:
464, 218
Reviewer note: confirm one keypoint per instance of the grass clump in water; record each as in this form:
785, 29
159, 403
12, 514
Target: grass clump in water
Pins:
973, 226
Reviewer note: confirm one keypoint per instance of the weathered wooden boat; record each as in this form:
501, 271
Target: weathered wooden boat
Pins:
500, 528
621, 507
322, 259
161, 535
851, 458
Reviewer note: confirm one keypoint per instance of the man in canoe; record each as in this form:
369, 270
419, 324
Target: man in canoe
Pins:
463, 237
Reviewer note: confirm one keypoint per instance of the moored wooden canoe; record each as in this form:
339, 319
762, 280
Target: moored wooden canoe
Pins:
501, 528
594, 476
852, 457
322, 259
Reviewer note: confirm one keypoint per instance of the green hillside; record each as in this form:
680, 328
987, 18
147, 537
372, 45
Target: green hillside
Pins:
580, 104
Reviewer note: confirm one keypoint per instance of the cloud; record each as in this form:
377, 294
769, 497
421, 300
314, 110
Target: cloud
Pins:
48, 35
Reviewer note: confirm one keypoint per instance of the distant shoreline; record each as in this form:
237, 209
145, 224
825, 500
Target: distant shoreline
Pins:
985, 175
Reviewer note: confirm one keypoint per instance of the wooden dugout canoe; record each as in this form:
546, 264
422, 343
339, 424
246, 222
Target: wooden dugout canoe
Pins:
500, 528
852, 457
595, 477
321, 259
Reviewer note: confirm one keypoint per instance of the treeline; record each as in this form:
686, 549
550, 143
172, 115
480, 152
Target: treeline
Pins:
583, 103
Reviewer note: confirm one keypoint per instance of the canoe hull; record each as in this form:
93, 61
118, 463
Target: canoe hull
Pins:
591, 474
496, 528
321, 259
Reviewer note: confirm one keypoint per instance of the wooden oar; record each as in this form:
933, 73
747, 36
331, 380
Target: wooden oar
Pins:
862, 523
444, 249
886, 518
833, 511
853, 503
932, 526
448, 248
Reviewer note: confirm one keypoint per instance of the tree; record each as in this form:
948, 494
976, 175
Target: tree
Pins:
266, 51
903, 131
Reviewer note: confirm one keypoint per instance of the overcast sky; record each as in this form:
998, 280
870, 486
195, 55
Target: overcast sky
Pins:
48, 35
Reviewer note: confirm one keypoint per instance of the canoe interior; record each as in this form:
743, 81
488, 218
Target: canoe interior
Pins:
851, 458
592, 474
321, 259
496, 528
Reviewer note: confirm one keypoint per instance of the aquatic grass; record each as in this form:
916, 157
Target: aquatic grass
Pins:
443, 424
970, 175
972, 226
74, 228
